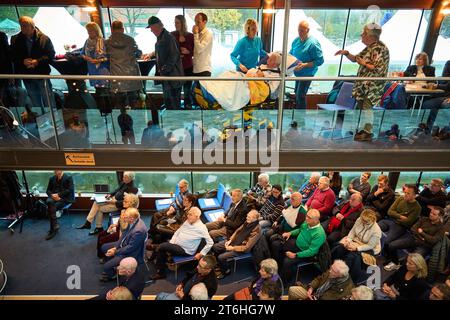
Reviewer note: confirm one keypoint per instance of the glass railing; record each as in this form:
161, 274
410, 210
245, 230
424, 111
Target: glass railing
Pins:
33, 115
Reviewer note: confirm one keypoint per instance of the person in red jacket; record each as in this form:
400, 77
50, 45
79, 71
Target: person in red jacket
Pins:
323, 199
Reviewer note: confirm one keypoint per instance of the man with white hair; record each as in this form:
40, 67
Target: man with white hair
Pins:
129, 277
362, 293
323, 199
199, 292
373, 62
130, 244
113, 202
307, 189
334, 284
309, 53
185, 242
31, 52
261, 191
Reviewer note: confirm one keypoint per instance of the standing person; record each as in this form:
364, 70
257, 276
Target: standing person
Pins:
5, 62
94, 52
203, 43
309, 53
185, 41
31, 52
168, 62
126, 127
60, 192
123, 53
249, 49
373, 62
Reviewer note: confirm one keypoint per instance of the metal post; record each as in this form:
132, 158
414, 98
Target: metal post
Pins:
49, 101
287, 10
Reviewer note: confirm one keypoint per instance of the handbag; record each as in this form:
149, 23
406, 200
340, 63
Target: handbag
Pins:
243, 294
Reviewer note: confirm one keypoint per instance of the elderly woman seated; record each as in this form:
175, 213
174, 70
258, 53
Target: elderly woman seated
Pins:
334, 284
364, 237
421, 69
268, 271
115, 230
114, 202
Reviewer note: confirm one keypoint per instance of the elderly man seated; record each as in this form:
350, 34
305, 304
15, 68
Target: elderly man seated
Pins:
307, 189
323, 199
129, 277
203, 274
184, 242
260, 192
334, 284
301, 244
242, 241
130, 244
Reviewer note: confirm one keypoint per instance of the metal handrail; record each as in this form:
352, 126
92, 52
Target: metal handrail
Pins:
87, 77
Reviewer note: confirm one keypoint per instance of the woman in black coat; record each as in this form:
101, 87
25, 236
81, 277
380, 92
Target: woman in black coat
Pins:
422, 67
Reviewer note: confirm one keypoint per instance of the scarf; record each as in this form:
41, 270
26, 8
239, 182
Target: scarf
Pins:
244, 233
259, 283
328, 284
346, 210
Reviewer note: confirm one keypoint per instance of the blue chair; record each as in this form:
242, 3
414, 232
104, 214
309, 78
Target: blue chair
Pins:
213, 203
162, 204
179, 260
113, 217
240, 257
212, 215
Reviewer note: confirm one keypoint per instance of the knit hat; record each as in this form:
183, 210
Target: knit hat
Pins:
153, 20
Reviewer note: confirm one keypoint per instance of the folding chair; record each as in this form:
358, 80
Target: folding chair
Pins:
212, 215
243, 256
179, 260
162, 204
213, 203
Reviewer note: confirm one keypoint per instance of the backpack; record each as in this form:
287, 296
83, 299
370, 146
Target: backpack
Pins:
394, 97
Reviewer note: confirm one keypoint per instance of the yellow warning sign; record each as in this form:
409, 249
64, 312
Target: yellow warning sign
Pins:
79, 159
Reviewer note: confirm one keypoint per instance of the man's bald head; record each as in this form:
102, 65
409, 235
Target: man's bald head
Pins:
127, 266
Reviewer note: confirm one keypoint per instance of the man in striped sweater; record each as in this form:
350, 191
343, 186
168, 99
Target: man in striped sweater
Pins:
272, 208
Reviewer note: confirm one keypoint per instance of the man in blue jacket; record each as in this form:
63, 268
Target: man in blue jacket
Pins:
131, 244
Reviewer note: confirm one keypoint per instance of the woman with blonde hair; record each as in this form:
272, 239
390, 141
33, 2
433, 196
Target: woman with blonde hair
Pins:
185, 41
249, 49
115, 230
94, 53
422, 67
364, 237
408, 283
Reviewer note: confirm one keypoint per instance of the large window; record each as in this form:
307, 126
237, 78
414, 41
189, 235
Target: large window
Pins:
157, 182
9, 23
210, 180
441, 52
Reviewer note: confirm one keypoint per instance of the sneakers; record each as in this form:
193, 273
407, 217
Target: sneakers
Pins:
391, 266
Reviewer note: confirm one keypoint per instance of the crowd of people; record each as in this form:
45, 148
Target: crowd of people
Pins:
343, 235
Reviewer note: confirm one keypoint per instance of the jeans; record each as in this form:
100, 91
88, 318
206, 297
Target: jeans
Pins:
301, 89
434, 105
352, 259
392, 229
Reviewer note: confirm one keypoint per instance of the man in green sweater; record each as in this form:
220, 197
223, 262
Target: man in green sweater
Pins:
403, 213
310, 237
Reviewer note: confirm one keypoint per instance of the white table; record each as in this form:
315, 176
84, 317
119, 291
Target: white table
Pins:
419, 93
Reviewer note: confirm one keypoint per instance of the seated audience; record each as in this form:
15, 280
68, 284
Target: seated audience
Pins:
310, 237
291, 218
272, 208
268, 271
199, 292
307, 189
131, 244
173, 220
403, 213
260, 192
323, 199
114, 202
421, 69
363, 238
184, 242
270, 290
432, 195
242, 241
116, 230
362, 293
343, 218
360, 185
226, 224
335, 182
60, 192
334, 284
407, 283
119, 293
129, 277
424, 234
203, 274
381, 197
